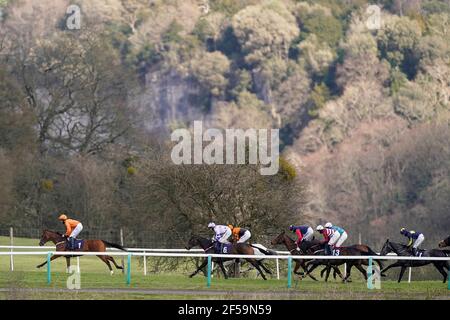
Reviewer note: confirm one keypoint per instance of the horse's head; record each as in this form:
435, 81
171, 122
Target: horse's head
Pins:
445, 242
279, 239
45, 237
386, 248
48, 235
193, 241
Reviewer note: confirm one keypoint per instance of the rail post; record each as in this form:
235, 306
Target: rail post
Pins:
448, 280
121, 243
208, 281
278, 268
11, 259
409, 275
49, 271
289, 275
129, 269
369, 274
145, 264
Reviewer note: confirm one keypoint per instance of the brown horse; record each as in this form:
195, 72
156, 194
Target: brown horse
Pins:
88, 245
239, 248
445, 242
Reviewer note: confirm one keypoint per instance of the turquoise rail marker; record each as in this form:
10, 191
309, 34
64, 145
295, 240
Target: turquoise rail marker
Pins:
208, 279
370, 274
289, 272
129, 269
49, 268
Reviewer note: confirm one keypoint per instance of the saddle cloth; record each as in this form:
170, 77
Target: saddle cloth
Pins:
77, 246
223, 248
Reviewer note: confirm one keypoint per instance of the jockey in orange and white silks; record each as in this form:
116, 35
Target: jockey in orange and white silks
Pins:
240, 235
73, 229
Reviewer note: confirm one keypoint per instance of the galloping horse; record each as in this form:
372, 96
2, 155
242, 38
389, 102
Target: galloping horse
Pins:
306, 247
239, 248
403, 250
88, 245
445, 242
344, 251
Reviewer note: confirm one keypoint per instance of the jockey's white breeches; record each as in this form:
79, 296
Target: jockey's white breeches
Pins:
223, 238
244, 237
309, 234
334, 238
341, 240
418, 241
76, 231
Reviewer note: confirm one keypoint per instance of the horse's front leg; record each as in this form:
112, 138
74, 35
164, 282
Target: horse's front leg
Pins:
45, 262
199, 268
402, 271
222, 267
394, 265
328, 268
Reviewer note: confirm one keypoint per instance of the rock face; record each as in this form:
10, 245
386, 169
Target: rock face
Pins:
168, 96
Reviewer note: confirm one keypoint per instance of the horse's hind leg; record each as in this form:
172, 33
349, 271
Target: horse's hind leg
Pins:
106, 261
264, 267
114, 261
361, 269
256, 265
441, 269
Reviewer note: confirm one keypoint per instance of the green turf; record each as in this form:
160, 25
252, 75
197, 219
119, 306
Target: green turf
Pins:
94, 274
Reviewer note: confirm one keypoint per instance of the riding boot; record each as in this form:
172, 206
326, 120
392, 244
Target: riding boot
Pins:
218, 247
414, 251
72, 243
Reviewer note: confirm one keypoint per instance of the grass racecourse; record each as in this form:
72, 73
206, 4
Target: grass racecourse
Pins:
27, 282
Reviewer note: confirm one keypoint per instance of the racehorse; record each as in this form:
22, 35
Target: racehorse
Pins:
445, 242
403, 250
344, 251
88, 245
239, 248
306, 247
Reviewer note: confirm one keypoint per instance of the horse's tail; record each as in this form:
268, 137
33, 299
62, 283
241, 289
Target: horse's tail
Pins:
266, 252
114, 245
370, 252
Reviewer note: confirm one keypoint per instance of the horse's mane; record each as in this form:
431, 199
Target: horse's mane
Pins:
58, 233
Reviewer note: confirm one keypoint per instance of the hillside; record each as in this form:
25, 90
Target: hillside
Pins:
363, 113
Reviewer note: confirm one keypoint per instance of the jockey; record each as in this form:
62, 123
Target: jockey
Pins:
221, 234
330, 237
240, 235
303, 232
415, 239
342, 237
73, 229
